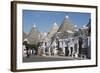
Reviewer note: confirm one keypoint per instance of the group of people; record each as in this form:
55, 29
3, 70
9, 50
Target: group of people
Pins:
78, 47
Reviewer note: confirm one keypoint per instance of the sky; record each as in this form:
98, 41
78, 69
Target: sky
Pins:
45, 19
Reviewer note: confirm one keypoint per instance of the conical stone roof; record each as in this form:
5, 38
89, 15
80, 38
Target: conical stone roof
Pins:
66, 25
66, 29
34, 35
53, 30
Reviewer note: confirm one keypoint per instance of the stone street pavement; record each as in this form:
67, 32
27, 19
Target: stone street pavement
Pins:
33, 58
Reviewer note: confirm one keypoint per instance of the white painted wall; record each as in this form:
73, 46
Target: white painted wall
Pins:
5, 37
